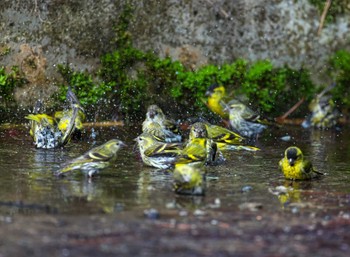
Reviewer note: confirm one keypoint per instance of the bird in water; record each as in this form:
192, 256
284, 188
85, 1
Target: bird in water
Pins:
189, 179
244, 127
324, 114
295, 167
94, 160
168, 127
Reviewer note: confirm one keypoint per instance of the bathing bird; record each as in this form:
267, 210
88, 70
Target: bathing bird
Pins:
189, 179
199, 149
94, 160
169, 128
244, 127
155, 153
295, 167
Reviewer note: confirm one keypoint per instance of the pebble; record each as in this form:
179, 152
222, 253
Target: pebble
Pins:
246, 189
152, 214
286, 138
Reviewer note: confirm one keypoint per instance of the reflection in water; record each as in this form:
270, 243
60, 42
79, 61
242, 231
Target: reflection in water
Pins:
27, 185
295, 195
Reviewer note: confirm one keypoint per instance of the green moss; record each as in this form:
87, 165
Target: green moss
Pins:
9, 81
88, 91
132, 79
340, 70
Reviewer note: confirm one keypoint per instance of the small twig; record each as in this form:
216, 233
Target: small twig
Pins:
323, 16
295, 106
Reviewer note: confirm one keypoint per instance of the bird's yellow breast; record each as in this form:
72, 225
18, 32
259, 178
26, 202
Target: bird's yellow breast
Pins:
215, 106
292, 172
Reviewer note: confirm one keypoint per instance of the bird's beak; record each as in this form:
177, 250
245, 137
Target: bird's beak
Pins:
122, 144
208, 93
291, 162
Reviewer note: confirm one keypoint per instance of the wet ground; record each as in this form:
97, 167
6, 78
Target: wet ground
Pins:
242, 214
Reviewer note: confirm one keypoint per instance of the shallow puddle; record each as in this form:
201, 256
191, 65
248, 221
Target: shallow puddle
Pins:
244, 211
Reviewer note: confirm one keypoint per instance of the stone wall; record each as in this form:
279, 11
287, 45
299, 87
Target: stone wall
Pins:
44, 33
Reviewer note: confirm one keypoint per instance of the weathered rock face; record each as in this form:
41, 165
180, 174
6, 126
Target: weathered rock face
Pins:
282, 31
44, 33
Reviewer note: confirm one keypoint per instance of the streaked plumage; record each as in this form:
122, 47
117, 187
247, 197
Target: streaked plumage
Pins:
170, 129
324, 113
240, 125
44, 131
64, 116
227, 139
156, 130
189, 180
199, 149
295, 167
92, 161
155, 153
218, 102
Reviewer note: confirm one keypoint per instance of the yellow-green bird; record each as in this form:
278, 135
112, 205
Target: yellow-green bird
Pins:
155, 153
65, 116
218, 101
94, 160
242, 126
156, 115
227, 139
199, 149
189, 179
324, 114
295, 167
156, 130
44, 132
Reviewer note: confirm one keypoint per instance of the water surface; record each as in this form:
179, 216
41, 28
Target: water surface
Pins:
242, 200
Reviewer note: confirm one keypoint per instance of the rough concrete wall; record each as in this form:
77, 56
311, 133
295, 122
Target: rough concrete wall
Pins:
223, 30
50, 32
44, 33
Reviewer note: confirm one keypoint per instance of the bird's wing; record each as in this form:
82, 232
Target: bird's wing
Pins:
162, 150
71, 126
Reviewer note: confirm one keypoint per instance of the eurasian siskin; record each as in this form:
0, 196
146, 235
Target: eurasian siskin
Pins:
65, 116
199, 149
227, 139
188, 180
44, 131
242, 126
155, 153
218, 102
94, 160
170, 129
324, 113
295, 167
